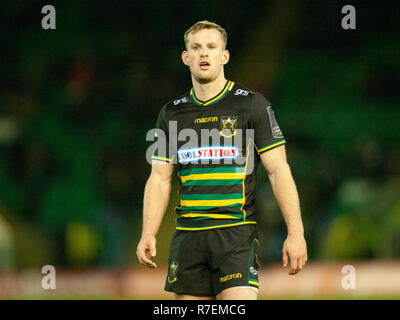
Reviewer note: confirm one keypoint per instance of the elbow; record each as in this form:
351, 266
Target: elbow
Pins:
283, 167
158, 179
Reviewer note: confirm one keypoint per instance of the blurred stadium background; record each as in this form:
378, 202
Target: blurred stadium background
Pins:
76, 103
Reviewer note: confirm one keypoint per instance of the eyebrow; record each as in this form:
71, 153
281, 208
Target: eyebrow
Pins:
198, 44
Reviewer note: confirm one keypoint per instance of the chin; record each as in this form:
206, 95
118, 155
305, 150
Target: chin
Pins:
204, 78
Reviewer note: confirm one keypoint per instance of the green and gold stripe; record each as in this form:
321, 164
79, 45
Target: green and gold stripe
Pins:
212, 203
233, 224
161, 158
205, 189
211, 197
213, 182
208, 205
228, 87
208, 215
271, 146
187, 172
225, 174
254, 282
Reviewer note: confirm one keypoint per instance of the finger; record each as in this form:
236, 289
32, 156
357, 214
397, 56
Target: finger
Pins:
293, 266
152, 248
303, 262
143, 259
285, 258
300, 264
147, 262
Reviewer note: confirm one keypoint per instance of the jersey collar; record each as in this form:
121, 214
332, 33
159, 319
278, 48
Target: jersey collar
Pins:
228, 87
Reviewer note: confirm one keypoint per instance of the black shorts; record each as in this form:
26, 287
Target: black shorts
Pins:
206, 262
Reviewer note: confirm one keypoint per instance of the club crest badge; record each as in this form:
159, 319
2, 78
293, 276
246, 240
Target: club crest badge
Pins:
228, 126
172, 271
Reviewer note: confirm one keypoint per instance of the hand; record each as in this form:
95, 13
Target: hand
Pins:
147, 249
295, 250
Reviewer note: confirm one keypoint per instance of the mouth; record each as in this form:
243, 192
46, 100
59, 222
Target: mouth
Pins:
204, 65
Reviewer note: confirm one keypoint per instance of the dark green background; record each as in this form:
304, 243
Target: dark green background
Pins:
76, 103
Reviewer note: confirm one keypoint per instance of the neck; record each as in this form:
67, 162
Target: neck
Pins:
206, 91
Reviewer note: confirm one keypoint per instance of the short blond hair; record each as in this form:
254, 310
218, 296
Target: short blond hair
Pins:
200, 25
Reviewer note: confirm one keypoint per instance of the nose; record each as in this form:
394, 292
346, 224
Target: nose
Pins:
204, 52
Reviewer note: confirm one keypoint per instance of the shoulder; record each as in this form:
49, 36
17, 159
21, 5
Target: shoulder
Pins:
255, 98
178, 101
260, 101
174, 104
242, 91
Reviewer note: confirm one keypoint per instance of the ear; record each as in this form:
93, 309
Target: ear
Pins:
185, 57
225, 57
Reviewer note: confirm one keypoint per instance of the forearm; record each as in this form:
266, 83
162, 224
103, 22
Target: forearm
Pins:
285, 192
156, 198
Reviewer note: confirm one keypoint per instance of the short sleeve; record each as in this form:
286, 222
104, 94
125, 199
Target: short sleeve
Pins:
162, 151
267, 134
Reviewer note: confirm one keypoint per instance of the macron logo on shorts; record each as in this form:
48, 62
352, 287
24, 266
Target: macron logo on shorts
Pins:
230, 277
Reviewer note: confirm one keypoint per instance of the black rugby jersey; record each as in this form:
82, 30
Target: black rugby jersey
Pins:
215, 145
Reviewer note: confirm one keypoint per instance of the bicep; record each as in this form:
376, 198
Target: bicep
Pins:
274, 159
161, 171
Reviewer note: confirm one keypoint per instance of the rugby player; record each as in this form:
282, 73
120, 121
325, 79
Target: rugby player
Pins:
213, 251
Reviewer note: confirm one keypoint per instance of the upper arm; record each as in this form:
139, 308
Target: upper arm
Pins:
161, 171
165, 149
267, 134
274, 159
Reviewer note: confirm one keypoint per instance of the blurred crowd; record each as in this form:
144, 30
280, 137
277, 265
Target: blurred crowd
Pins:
76, 103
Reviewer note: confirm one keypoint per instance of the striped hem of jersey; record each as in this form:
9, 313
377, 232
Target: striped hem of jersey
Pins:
228, 87
160, 158
208, 204
271, 146
225, 225
210, 215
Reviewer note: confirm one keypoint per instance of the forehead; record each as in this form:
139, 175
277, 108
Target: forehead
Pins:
205, 35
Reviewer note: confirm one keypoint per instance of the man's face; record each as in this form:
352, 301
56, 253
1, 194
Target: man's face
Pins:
205, 55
